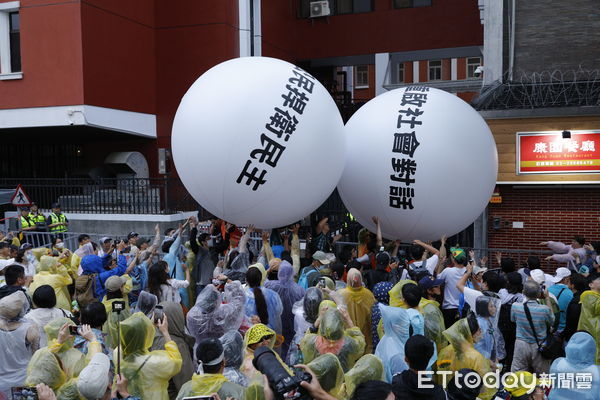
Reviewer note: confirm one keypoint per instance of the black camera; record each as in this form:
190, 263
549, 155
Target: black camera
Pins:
118, 306
283, 384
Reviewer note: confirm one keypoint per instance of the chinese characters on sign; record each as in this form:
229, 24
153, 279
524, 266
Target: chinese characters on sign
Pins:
549, 153
405, 142
279, 128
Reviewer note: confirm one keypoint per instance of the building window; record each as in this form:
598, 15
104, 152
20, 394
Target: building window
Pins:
338, 7
400, 73
472, 64
15, 41
411, 3
10, 41
362, 76
435, 70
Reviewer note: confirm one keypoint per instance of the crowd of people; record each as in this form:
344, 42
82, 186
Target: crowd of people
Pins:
207, 310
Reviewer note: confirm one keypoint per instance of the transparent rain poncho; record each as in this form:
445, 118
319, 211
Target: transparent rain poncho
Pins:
461, 353
211, 317
146, 303
289, 292
347, 344
306, 312
72, 360
16, 352
255, 335
359, 301
491, 344
391, 346
368, 368
274, 307
589, 320
329, 372
148, 372
233, 349
396, 299
112, 320
580, 358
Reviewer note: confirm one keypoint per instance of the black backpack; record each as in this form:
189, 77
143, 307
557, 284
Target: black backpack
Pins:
504, 322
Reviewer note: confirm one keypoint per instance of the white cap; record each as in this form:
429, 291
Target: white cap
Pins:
93, 379
561, 273
477, 269
538, 276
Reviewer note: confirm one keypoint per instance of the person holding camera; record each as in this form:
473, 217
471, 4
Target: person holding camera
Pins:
209, 378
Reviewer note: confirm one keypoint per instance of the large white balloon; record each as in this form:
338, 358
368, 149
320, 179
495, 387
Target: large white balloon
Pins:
434, 182
259, 141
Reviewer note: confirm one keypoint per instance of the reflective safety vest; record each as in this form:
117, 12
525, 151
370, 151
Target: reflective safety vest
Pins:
26, 222
38, 219
55, 220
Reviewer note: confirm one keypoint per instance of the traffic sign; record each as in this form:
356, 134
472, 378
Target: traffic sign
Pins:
20, 198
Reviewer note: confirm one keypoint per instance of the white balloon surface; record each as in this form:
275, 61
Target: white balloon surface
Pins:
422, 160
258, 140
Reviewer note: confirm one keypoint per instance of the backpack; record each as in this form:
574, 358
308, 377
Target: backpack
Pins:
504, 322
414, 271
85, 290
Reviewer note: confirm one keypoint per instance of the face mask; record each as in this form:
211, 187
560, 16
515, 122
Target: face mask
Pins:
60, 245
30, 257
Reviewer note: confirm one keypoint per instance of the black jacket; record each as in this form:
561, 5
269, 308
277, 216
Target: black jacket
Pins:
573, 313
406, 386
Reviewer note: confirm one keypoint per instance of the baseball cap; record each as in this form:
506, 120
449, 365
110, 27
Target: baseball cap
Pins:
538, 276
429, 282
140, 242
321, 257
458, 254
26, 246
383, 258
105, 239
24, 208
93, 379
561, 273
114, 283
132, 235
55, 205
477, 269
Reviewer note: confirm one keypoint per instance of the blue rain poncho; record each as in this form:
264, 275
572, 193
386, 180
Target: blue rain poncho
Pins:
173, 259
289, 292
580, 359
214, 314
274, 307
390, 349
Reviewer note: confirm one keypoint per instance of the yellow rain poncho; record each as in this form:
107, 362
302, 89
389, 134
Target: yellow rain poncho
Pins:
434, 322
460, 353
347, 344
253, 336
72, 360
329, 372
148, 372
359, 301
50, 272
589, 320
44, 367
207, 384
368, 368
396, 299
110, 326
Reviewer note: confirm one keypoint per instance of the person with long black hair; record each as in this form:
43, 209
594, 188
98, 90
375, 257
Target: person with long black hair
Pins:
163, 286
262, 302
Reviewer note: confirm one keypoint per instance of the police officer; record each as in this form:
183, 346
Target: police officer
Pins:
40, 223
27, 225
57, 222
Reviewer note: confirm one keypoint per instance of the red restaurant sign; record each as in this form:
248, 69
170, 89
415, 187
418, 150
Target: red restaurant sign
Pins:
549, 153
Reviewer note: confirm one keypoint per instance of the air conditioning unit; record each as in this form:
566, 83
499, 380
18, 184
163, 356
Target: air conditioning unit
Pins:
319, 9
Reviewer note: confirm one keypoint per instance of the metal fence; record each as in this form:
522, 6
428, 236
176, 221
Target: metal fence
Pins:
107, 195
